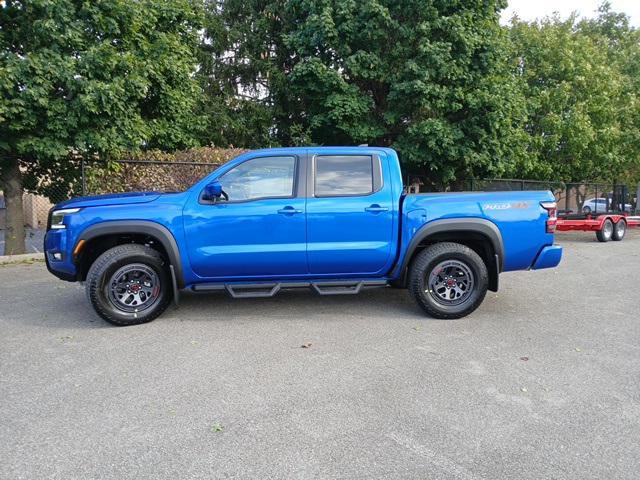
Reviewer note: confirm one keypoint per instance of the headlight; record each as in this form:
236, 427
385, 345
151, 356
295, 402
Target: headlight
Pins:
57, 217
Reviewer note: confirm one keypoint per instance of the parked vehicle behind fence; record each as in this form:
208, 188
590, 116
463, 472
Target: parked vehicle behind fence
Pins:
602, 205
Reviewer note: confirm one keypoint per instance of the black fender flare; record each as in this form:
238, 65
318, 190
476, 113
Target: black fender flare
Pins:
448, 225
145, 227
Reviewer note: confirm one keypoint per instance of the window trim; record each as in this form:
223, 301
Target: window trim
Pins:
377, 181
295, 189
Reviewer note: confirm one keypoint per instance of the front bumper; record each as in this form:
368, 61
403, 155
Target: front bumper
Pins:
56, 243
548, 257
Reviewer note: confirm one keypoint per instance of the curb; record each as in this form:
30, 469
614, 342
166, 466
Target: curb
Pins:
25, 258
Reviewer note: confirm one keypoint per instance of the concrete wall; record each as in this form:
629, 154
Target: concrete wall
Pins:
35, 208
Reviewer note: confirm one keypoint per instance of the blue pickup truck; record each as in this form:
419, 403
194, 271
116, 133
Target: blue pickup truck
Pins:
333, 219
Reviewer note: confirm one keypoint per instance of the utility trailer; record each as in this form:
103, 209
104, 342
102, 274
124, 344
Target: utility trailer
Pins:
606, 209
608, 213
608, 226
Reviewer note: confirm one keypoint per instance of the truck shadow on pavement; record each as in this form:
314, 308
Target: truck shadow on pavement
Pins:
295, 304
66, 307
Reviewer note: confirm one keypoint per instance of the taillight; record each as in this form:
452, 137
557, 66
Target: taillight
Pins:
552, 210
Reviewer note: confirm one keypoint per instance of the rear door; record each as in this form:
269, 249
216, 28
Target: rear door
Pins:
349, 214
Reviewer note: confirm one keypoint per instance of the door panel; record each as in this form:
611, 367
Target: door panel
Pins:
348, 234
259, 238
250, 237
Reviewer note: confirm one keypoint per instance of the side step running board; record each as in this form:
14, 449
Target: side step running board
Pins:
265, 289
337, 288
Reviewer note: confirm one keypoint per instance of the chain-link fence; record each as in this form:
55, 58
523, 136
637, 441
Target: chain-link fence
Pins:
94, 178
510, 184
596, 198
573, 198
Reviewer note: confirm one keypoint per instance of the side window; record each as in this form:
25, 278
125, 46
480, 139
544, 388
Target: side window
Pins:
337, 175
264, 177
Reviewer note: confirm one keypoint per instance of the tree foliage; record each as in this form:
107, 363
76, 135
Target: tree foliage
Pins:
426, 77
231, 107
612, 31
458, 95
429, 78
246, 72
581, 102
96, 76
92, 78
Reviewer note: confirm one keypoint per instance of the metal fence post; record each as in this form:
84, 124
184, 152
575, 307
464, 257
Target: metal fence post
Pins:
84, 185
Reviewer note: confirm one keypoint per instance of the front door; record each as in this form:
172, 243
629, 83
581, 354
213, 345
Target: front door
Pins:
259, 232
349, 215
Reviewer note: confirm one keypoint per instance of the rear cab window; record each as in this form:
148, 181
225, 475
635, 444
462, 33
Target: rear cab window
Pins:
346, 175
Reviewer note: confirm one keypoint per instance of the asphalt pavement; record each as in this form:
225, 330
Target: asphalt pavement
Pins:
542, 382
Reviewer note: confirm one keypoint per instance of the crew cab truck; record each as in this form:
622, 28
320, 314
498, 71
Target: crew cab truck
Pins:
333, 219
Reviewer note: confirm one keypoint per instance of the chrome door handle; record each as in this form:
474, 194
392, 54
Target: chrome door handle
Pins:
375, 208
289, 211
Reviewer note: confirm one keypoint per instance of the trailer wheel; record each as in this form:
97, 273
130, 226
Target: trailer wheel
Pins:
619, 229
606, 232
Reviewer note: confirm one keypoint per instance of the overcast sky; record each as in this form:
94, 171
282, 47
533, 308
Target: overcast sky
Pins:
532, 9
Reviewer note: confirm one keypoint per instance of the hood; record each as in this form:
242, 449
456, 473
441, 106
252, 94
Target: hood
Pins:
109, 199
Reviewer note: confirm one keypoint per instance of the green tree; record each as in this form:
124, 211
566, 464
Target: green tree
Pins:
244, 67
429, 78
94, 79
613, 33
577, 100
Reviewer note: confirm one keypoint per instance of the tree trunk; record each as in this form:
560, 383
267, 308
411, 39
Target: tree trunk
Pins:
11, 184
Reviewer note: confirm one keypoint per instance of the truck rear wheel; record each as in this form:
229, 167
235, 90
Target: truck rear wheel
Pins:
448, 280
129, 285
606, 232
619, 229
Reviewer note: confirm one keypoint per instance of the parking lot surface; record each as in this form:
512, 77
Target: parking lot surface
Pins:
543, 381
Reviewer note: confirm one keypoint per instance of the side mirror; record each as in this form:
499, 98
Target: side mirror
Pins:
212, 191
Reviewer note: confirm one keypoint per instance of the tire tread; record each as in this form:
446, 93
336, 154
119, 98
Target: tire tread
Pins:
420, 264
600, 233
616, 233
95, 279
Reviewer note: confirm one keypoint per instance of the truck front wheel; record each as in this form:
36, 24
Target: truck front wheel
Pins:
128, 285
448, 280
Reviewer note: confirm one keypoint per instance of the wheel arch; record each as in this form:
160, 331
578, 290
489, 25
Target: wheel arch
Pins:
479, 234
100, 237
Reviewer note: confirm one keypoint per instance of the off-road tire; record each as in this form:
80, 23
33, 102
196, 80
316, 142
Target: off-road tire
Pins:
422, 267
107, 264
601, 235
619, 230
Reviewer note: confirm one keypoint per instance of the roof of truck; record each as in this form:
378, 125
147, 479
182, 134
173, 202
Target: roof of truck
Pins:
324, 149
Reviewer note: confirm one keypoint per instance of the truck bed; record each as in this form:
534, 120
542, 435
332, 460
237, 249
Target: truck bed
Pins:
518, 215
